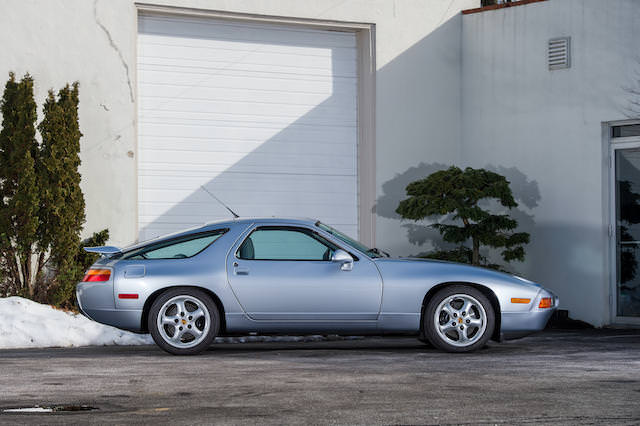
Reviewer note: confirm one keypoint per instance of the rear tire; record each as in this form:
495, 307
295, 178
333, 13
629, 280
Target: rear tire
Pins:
184, 321
459, 318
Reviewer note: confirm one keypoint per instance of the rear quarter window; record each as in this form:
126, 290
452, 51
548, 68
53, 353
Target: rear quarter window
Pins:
179, 248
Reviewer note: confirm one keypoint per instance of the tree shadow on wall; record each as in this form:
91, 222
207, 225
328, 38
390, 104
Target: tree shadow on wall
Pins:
525, 191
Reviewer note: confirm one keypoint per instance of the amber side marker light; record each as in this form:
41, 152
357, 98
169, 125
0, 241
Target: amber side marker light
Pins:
96, 275
545, 302
519, 300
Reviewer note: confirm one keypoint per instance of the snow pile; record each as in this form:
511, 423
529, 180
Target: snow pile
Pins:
27, 324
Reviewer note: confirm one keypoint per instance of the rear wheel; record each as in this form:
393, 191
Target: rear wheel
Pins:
184, 321
459, 318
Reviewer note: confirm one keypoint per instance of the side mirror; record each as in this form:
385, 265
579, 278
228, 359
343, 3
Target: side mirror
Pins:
343, 258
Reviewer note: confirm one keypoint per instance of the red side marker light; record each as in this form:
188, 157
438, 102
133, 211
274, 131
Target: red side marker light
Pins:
96, 275
127, 296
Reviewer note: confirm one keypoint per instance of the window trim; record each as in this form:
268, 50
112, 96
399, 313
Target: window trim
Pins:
612, 129
307, 231
172, 241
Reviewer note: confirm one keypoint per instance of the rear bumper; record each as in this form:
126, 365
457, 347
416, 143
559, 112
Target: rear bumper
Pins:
519, 324
126, 320
101, 308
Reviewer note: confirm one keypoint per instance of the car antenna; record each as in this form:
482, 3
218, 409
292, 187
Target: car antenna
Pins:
218, 200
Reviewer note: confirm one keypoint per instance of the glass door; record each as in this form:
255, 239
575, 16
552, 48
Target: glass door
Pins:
626, 204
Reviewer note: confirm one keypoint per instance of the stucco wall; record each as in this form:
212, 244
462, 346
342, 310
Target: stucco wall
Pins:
93, 42
543, 129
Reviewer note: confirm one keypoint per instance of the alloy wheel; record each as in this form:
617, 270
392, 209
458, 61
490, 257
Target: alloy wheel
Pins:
460, 320
183, 321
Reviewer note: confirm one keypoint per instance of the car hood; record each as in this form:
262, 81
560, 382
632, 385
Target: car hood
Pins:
451, 268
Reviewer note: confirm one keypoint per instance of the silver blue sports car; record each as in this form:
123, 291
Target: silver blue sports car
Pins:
300, 276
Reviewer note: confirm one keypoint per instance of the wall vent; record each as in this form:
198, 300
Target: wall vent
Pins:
559, 53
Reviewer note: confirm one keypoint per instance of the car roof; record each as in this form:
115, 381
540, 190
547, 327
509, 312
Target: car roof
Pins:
272, 219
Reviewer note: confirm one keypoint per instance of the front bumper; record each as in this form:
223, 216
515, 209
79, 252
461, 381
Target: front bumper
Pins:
519, 324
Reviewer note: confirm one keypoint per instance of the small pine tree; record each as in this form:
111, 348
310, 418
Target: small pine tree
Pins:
62, 202
19, 199
457, 193
41, 203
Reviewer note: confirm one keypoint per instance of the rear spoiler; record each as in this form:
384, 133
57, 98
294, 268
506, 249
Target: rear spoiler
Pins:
104, 251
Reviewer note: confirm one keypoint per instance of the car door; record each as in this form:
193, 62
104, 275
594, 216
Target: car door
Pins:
285, 273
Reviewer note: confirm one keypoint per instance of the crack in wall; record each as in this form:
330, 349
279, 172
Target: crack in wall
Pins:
114, 47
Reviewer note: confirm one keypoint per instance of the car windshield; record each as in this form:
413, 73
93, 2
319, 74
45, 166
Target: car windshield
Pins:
353, 243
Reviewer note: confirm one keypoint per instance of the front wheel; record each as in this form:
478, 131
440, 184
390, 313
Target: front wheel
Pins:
459, 318
183, 321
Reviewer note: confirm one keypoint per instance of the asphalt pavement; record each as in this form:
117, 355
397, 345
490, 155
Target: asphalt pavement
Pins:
556, 377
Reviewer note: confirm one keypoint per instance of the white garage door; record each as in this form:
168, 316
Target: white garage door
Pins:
263, 116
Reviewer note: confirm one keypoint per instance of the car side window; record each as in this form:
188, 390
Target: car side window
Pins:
176, 249
285, 244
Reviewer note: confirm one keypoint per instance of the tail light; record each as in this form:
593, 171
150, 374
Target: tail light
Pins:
96, 275
545, 302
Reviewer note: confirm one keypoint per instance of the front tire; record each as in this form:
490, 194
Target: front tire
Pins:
459, 318
184, 321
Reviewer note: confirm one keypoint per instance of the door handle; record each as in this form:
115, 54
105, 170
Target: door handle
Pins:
238, 270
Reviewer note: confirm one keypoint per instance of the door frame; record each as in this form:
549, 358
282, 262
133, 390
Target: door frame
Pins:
615, 144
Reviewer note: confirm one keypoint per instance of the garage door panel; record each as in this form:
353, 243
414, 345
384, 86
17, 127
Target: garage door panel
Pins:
186, 114
258, 162
246, 95
248, 53
270, 183
250, 131
157, 46
341, 157
196, 106
187, 209
254, 195
255, 117
215, 145
229, 75
294, 65
198, 213
288, 172
263, 116
206, 149
158, 85
343, 100
251, 81
200, 29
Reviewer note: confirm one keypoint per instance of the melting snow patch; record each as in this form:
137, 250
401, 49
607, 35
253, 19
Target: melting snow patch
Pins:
52, 409
27, 324
29, 410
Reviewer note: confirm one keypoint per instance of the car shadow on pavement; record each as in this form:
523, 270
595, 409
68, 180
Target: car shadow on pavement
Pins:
366, 345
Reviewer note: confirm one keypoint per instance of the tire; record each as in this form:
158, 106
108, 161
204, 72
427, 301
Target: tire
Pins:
422, 338
176, 331
459, 318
